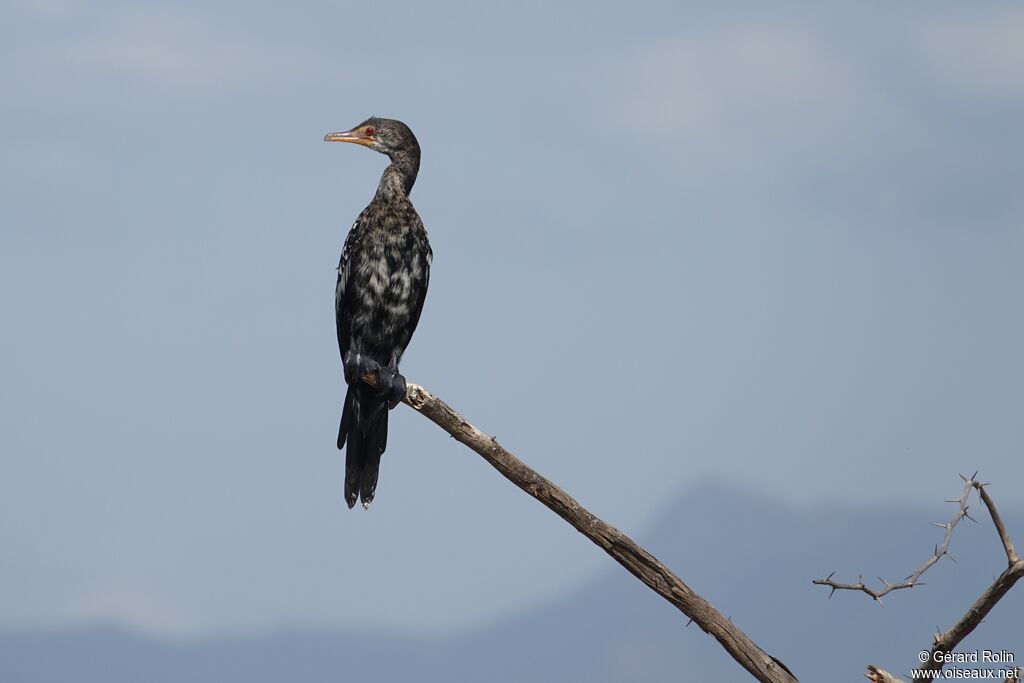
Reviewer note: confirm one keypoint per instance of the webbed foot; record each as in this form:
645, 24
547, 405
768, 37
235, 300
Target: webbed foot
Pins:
356, 365
391, 384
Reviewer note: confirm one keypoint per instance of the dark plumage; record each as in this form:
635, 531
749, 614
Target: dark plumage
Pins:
382, 282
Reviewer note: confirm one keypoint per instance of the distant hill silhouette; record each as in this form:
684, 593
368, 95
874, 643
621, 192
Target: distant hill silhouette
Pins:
752, 557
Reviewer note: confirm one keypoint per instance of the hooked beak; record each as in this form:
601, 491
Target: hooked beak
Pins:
354, 135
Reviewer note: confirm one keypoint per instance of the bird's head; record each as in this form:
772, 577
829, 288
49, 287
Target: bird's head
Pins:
386, 136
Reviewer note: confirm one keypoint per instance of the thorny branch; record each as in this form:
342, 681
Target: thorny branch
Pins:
913, 579
638, 561
944, 642
947, 640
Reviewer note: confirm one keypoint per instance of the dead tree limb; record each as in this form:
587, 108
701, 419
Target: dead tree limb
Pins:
914, 578
945, 641
638, 561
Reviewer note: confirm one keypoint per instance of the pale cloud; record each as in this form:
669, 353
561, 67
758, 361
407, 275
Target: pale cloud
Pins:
747, 96
174, 50
52, 164
692, 83
978, 54
132, 607
49, 9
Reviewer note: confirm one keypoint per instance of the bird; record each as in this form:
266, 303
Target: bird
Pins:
383, 275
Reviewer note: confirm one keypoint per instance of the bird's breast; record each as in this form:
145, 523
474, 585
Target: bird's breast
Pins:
387, 274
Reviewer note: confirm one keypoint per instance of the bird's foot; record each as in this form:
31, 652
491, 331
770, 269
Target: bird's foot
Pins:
356, 365
391, 384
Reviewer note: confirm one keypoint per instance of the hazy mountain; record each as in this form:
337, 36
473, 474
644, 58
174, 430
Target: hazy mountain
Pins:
752, 557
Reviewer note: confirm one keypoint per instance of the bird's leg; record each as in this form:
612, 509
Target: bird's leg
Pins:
356, 365
391, 384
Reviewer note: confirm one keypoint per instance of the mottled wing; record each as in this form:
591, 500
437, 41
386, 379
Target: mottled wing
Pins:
421, 295
343, 316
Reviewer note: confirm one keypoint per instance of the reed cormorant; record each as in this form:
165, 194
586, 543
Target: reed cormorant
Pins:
382, 283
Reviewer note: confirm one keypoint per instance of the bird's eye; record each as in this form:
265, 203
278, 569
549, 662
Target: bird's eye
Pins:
369, 132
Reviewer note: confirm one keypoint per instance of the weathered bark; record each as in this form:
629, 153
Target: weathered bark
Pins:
662, 581
638, 561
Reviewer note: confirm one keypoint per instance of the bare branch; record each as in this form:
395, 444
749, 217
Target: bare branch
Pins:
944, 642
913, 579
876, 675
662, 581
638, 561
947, 640
1004, 536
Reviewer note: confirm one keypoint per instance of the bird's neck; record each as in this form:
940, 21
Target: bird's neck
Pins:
400, 176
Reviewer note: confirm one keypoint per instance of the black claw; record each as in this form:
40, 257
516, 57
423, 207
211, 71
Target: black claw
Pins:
397, 391
391, 385
356, 365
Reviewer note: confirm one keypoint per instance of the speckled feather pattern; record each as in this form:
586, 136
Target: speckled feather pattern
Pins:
382, 284
382, 278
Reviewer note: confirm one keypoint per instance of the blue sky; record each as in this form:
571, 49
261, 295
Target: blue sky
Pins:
777, 246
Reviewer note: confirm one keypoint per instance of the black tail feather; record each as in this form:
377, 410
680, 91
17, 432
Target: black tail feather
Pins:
364, 428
